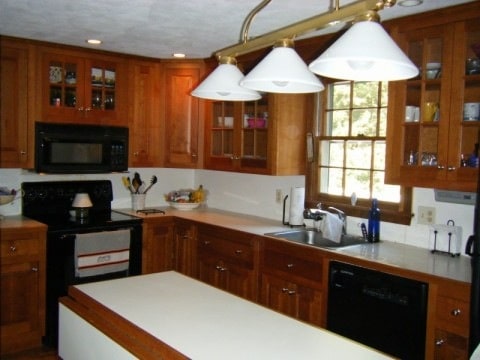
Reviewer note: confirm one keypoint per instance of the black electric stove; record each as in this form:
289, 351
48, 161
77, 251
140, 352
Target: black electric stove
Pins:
50, 202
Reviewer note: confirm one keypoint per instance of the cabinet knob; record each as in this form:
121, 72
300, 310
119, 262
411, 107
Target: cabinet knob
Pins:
194, 155
451, 168
285, 290
34, 269
455, 312
439, 342
289, 266
13, 248
440, 167
80, 108
88, 109
23, 152
238, 251
291, 292
206, 242
221, 268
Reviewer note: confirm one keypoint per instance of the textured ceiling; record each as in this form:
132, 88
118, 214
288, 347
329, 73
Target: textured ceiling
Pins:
158, 28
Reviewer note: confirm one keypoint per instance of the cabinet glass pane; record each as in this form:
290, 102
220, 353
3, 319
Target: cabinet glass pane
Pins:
63, 84
103, 88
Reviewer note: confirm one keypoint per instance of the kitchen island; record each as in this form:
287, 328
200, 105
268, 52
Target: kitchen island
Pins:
172, 316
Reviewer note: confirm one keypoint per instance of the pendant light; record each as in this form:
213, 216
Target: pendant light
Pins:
223, 83
365, 53
282, 71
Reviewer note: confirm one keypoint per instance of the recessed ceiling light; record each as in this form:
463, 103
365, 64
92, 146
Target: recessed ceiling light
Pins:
94, 41
178, 55
408, 3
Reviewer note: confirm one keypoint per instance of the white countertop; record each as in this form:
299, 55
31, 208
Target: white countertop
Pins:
389, 253
203, 322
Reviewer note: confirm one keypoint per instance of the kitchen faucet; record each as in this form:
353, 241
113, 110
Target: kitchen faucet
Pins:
342, 216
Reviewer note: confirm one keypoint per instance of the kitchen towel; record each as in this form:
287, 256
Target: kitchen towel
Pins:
331, 227
102, 252
297, 204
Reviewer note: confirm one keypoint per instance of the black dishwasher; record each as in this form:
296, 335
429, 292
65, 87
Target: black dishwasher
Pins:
380, 310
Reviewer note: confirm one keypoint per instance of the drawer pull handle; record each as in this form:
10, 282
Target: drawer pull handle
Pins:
34, 269
439, 342
238, 252
285, 290
291, 292
456, 312
13, 248
290, 266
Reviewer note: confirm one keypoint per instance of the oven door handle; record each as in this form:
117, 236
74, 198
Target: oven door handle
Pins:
68, 236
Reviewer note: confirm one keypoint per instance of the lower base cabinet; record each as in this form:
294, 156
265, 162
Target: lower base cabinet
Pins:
289, 298
227, 259
157, 246
292, 281
22, 288
185, 243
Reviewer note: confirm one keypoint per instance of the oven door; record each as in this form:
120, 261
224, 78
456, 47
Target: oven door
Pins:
65, 269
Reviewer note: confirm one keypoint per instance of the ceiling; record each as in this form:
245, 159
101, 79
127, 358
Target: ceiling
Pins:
158, 28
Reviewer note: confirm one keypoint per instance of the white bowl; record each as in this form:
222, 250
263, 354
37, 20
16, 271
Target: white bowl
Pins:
6, 199
184, 205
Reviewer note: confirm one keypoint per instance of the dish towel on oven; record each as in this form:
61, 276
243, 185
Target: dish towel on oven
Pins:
102, 252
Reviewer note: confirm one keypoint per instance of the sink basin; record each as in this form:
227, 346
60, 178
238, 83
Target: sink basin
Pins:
315, 238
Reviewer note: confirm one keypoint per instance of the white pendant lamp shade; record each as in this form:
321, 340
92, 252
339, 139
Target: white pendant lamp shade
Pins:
282, 71
365, 53
223, 84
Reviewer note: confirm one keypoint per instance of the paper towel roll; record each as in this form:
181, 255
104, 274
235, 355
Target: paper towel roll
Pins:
297, 204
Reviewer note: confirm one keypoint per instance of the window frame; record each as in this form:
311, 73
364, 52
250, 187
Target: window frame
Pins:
400, 213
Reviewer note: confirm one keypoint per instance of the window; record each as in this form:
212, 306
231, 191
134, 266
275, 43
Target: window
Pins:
350, 143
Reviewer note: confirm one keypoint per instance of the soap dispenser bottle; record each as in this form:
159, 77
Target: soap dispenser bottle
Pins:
374, 222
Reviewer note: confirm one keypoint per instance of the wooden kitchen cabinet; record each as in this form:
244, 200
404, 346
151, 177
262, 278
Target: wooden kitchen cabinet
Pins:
436, 153
82, 87
158, 244
16, 137
452, 319
228, 259
183, 114
292, 279
263, 137
185, 242
22, 287
145, 148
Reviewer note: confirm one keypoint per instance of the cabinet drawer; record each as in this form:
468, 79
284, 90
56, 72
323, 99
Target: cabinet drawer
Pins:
453, 313
19, 247
226, 248
275, 262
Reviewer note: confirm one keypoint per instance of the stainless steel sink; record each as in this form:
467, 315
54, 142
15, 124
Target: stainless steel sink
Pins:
315, 238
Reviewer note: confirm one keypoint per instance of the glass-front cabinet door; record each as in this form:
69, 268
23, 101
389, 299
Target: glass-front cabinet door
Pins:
82, 90
431, 142
238, 136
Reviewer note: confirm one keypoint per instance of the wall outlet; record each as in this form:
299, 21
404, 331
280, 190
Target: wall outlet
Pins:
278, 196
426, 215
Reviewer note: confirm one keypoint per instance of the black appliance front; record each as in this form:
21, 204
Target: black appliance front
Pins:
78, 149
383, 311
50, 202
61, 270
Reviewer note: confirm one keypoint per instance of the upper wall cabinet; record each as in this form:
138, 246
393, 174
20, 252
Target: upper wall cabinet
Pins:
431, 141
144, 114
81, 89
183, 114
16, 136
263, 137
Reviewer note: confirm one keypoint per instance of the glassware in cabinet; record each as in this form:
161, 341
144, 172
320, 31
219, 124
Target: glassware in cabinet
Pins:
222, 129
255, 129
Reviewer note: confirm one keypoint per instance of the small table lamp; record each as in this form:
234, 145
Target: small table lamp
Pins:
81, 203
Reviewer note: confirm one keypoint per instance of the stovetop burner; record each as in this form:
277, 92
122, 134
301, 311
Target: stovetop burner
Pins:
150, 211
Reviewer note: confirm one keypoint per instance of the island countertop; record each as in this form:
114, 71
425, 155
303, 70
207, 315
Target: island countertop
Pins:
202, 322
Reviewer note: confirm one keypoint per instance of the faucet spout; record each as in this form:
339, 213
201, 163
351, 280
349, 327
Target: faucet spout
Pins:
342, 216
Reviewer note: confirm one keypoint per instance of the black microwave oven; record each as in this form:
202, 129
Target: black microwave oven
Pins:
80, 149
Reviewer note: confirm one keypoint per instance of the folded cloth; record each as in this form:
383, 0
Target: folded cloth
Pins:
331, 227
102, 252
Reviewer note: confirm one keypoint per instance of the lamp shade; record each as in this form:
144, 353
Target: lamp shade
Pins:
223, 84
82, 200
282, 71
364, 53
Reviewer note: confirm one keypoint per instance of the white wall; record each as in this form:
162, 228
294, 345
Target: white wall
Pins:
249, 194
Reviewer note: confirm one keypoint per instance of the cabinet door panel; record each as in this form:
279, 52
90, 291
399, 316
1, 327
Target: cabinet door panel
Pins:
181, 117
13, 107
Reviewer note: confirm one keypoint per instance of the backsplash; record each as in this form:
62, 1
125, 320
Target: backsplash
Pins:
248, 194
